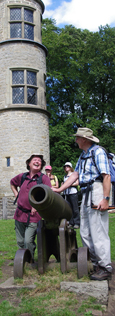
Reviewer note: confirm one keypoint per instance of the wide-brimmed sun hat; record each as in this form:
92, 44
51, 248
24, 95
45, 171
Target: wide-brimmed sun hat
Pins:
86, 133
48, 167
35, 155
68, 164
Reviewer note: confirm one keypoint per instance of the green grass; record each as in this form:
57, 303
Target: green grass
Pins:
112, 234
46, 298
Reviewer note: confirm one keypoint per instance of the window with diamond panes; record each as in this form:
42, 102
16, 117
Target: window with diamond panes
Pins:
21, 23
28, 15
15, 14
31, 78
24, 90
18, 92
31, 91
31, 96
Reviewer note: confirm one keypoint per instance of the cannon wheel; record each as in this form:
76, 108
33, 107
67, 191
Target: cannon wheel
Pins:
82, 261
21, 256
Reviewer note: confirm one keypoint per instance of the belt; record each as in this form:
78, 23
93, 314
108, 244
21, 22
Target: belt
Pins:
25, 211
87, 187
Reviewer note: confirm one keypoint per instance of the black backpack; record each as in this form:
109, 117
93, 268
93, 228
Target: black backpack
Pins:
24, 177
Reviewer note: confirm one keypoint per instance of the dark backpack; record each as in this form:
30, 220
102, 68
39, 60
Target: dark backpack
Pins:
25, 177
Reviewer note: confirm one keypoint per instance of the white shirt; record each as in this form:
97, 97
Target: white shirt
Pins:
70, 190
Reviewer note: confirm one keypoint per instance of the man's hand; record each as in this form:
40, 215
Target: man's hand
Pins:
103, 205
33, 211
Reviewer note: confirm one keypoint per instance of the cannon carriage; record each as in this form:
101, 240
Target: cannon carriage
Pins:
54, 236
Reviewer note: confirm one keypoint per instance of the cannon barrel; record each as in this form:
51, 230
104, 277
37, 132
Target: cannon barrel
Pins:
50, 205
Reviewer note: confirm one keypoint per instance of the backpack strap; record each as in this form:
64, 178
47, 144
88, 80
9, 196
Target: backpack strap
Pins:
93, 159
24, 177
39, 179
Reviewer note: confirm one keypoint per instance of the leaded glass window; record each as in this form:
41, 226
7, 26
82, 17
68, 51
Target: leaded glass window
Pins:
24, 87
31, 96
15, 30
17, 77
15, 14
28, 15
18, 95
31, 78
28, 31
21, 23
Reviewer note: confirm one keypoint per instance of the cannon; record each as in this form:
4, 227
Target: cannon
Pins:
50, 205
53, 233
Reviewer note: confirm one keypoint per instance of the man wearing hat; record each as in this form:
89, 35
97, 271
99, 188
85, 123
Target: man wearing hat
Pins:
95, 186
26, 217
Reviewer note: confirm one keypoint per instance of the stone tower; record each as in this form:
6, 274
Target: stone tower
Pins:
24, 125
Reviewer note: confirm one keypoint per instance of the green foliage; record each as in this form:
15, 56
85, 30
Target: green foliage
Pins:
62, 145
79, 87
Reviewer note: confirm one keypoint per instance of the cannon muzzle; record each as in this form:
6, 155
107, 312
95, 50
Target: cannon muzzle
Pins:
50, 205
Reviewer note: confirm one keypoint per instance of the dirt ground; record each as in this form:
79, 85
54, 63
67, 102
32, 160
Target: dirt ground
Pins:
10, 294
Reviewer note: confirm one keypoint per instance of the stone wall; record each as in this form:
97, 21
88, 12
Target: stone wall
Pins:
22, 133
21, 55
7, 208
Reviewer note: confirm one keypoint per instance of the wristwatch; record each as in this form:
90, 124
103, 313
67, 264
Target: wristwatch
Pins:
106, 198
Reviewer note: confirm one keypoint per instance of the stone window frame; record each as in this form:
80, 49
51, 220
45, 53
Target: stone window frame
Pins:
5, 167
25, 85
22, 21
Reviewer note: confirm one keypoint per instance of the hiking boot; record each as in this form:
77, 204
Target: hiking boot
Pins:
76, 226
101, 274
94, 269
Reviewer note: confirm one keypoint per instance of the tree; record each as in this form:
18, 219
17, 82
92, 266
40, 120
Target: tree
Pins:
62, 145
80, 86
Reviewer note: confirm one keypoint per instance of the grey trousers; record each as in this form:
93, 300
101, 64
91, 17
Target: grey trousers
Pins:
26, 236
94, 228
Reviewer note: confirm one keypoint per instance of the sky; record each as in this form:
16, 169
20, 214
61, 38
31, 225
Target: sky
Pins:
83, 14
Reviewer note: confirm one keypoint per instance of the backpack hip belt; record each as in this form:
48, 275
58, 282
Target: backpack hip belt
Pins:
87, 187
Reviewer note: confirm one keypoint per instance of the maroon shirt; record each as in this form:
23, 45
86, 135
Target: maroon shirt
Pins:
23, 199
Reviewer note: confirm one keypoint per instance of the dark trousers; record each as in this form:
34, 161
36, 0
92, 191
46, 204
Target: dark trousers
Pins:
26, 236
73, 200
